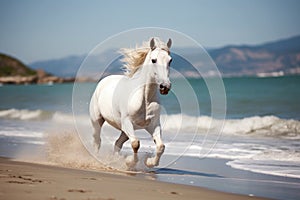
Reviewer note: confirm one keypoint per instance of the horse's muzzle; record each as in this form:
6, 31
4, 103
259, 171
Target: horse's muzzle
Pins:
164, 88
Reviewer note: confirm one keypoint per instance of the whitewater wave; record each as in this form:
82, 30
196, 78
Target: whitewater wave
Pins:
274, 157
271, 167
270, 126
24, 114
265, 126
21, 133
275, 151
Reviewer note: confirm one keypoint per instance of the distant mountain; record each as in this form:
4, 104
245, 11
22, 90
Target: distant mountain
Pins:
279, 57
65, 67
13, 71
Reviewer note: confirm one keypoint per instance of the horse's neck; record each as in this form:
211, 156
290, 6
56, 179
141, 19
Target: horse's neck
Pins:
149, 86
150, 92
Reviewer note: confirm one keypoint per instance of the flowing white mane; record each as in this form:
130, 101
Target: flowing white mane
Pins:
135, 57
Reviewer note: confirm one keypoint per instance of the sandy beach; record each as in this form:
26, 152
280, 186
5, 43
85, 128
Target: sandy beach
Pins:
21, 180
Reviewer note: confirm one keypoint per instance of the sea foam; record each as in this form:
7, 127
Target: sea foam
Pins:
267, 126
265, 144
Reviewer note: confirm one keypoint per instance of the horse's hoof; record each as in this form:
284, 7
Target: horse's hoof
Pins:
150, 162
131, 162
96, 147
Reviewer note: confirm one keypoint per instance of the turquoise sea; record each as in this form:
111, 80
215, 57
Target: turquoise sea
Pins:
260, 134
246, 97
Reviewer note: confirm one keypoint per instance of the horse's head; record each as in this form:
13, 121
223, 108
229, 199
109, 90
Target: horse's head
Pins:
159, 62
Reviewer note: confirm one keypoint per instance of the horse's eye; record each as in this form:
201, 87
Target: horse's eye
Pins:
170, 61
154, 60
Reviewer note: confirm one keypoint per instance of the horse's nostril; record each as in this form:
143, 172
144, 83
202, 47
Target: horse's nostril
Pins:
164, 89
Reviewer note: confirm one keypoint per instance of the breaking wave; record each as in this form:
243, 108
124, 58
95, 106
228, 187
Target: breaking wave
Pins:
55, 131
25, 114
270, 126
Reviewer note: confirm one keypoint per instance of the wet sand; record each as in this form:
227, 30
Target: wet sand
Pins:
21, 180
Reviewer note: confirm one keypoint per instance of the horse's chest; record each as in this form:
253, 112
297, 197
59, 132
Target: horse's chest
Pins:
145, 114
140, 109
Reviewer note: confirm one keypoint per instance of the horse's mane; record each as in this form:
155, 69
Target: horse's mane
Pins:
133, 58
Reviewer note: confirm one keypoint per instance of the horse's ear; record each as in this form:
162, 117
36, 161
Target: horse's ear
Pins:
152, 44
169, 44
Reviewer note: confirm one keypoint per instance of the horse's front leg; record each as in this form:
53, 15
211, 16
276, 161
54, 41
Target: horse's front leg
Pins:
127, 128
160, 147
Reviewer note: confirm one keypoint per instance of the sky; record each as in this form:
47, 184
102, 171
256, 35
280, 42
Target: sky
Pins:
35, 30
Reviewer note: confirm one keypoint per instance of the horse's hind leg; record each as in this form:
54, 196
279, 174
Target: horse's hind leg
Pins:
120, 141
97, 125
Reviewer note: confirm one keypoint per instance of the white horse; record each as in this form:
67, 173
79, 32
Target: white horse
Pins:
131, 101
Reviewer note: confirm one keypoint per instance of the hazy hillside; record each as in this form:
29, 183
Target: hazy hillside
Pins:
13, 71
281, 57
66, 67
10, 66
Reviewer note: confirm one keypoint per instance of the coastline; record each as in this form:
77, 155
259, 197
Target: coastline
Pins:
36, 181
212, 173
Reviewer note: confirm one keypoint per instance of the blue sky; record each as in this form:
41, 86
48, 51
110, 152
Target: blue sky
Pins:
35, 30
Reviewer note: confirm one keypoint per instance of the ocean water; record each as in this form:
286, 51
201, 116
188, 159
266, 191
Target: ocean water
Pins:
261, 131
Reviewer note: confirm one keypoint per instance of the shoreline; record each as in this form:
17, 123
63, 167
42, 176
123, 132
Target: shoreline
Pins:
36, 181
211, 173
